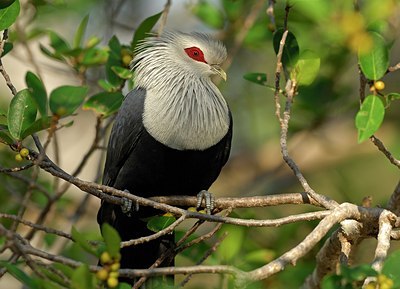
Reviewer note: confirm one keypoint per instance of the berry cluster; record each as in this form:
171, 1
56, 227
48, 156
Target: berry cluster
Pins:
382, 282
23, 153
109, 273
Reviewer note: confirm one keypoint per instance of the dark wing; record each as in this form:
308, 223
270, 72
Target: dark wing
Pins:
126, 132
227, 141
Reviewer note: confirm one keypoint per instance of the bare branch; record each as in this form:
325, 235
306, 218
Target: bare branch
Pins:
379, 144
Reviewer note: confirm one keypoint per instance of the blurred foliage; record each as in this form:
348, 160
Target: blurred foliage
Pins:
328, 42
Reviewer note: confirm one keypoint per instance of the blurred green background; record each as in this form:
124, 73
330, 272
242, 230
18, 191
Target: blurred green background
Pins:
322, 139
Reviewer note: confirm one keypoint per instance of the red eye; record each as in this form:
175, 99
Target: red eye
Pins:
195, 53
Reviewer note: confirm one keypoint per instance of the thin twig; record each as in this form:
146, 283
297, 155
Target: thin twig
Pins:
379, 144
2, 69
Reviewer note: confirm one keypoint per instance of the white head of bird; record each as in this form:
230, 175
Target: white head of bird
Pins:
183, 108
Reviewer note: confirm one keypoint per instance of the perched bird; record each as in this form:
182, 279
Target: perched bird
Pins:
171, 136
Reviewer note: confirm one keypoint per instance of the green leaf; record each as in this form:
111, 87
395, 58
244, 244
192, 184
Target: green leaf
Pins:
64, 100
106, 85
6, 3
306, 68
112, 239
38, 91
375, 63
82, 241
144, 28
80, 32
122, 72
114, 59
9, 14
21, 113
20, 275
5, 137
256, 77
81, 278
50, 54
92, 41
58, 43
393, 96
94, 56
233, 9
291, 49
158, 223
38, 125
391, 268
261, 256
209, 14
8, 46
370, 117
233, 243
104, 103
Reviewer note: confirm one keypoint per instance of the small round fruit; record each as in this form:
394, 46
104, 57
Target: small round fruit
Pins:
379, 85
112, 282
126, 59
102, 274
105, 258
114, 274
18, 158
115, 266
24, 152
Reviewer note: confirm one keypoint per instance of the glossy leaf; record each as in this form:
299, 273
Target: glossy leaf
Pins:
111, 238
374, 64
290, 50
81, 278
38, 125
38, 91
82, 241
8, 46
158, 223
122, 72
80, 32
114, 59
94, 56
370, 117
8, 15
306, 68
21, 113
104, 103
209, 14
106, 85
65, 100
144, 28
391, 268
256, 77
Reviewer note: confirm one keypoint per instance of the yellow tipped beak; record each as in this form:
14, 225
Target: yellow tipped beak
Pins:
218, 70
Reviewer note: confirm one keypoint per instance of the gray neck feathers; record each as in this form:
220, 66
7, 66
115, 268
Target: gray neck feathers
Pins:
181, 110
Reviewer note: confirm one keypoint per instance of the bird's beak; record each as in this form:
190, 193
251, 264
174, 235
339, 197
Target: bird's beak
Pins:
218, 70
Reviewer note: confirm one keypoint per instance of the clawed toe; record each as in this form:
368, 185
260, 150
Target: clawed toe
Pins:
128, 206
208, 199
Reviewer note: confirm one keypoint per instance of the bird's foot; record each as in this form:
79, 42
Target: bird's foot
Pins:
128, 206
208, 199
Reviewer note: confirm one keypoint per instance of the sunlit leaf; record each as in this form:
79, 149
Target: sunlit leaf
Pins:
391, 268
306, 68
106, 85
375, 63
38, 91
82, 241
80, 32
94, 56
9, 14
144, 28
233, 243
370, 117
21, 114
111, 238
104, 103
65, 100
158, 223
122, 72
81, 278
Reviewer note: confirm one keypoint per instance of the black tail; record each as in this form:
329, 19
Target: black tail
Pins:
140, 256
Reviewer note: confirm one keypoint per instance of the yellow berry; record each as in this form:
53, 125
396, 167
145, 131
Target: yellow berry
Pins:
24, 152
202, 212
102, 274
168, 214
192, 209
126, 59
114, 274
18, 158
115, 266
379, 85
105, 258
371, 285
112, 282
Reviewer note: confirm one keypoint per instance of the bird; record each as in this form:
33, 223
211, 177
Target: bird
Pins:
171, 136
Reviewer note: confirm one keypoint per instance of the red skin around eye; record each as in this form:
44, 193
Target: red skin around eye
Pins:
195, 53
